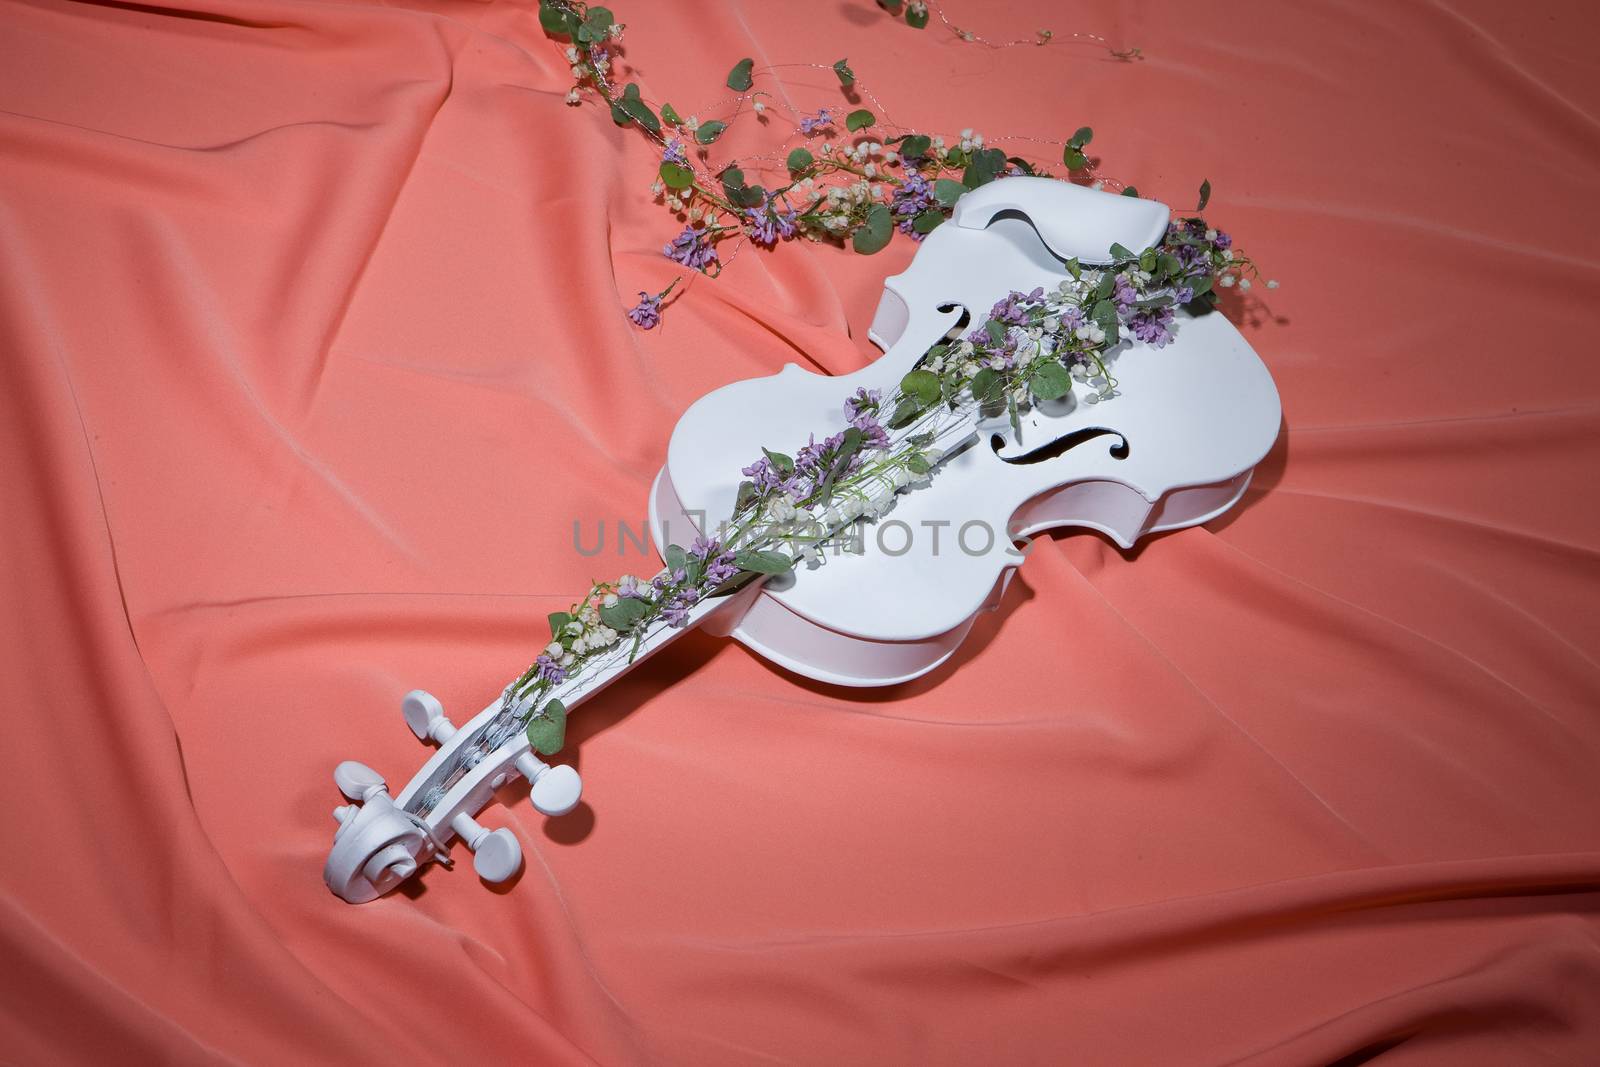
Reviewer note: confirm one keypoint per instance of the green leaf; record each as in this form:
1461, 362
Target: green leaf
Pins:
558, 620
1051, 381
799, 160
547, 731
676, 176
1201, 286
986, 386
1120, 253
746, 497
1147, 260
670, 115
1082, 137
675, 557
906, 412
922, 384
619, 116
783, 463
624, 613
915, 145
1021, 164
927, 221
916, 18
763, 562
917, 463
892, 6
1074, 268
1132, 190
987, 165
947, 191
1205, 195
859, 119
638, 110
709, 131
847, 77
1073, 158
873, 235
996, 331
739, 76
1104, 314
557, 20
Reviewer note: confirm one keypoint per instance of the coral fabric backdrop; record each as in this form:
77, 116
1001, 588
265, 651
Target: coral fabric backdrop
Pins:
313, 350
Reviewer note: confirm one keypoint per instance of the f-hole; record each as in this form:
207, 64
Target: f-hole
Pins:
1062, 445
953, 333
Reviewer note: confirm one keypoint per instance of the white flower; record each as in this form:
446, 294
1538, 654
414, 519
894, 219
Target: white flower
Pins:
657, 188
882, 502
579, 73
1227, 255
572, 54
554, 650
1225, 281
574, 98
900, 478
934, 455
573, 628
609, 599
567, 660
852, 508
603, 637
1097, 184
781, 509
871, 170
759, 107
1211, 235
1272, 283
1079, 371
891, 156
580, 645
589, 614
616, 31
1090, 332
1244, 283
692, 122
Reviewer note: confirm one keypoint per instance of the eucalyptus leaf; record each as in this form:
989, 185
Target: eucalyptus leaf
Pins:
916, 17
675, 557
558, 620
624, 613
547, 731
710, 131
1082, 137
1205, 195
996, 331
1120, 252
1132, 190
927, 221
558, 20
676, 176
917, 463
906, 412
922, 384
1073, 158
847, 77
764, 562
739, 76
799, 160
915, 145
670, 115
947, 191
1051, 381
987, 165
986, 386
859, 119
639, 111
873, 235
783, 463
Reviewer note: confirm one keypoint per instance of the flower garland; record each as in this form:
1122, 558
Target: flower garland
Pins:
843, 184
1036, 346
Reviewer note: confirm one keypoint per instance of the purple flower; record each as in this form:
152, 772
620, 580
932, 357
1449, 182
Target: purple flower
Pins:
1223, 241
1153, 327
1013, 310
1182, 293
675, 154
788, 223
676, 611
863, 401
912, 198
1072, 317
704, 547
1125, 294
760, 226
630, 588
763, 474
720, 569
550, 670
646, 314
810, 124
873, 435
692, 248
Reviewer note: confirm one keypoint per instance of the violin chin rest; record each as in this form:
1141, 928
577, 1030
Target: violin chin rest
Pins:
1074, 221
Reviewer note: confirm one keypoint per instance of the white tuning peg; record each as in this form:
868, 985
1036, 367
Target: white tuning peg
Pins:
357, 781
496, 854
556, 790
425, 715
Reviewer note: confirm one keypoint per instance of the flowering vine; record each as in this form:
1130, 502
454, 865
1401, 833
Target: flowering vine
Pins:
843, 182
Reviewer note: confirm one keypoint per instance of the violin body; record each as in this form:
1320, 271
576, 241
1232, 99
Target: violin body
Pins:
1178, 446
1174, 448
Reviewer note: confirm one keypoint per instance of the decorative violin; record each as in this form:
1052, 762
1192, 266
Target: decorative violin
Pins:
1048, 361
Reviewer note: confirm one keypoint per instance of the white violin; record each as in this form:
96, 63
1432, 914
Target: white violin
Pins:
1174, 448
